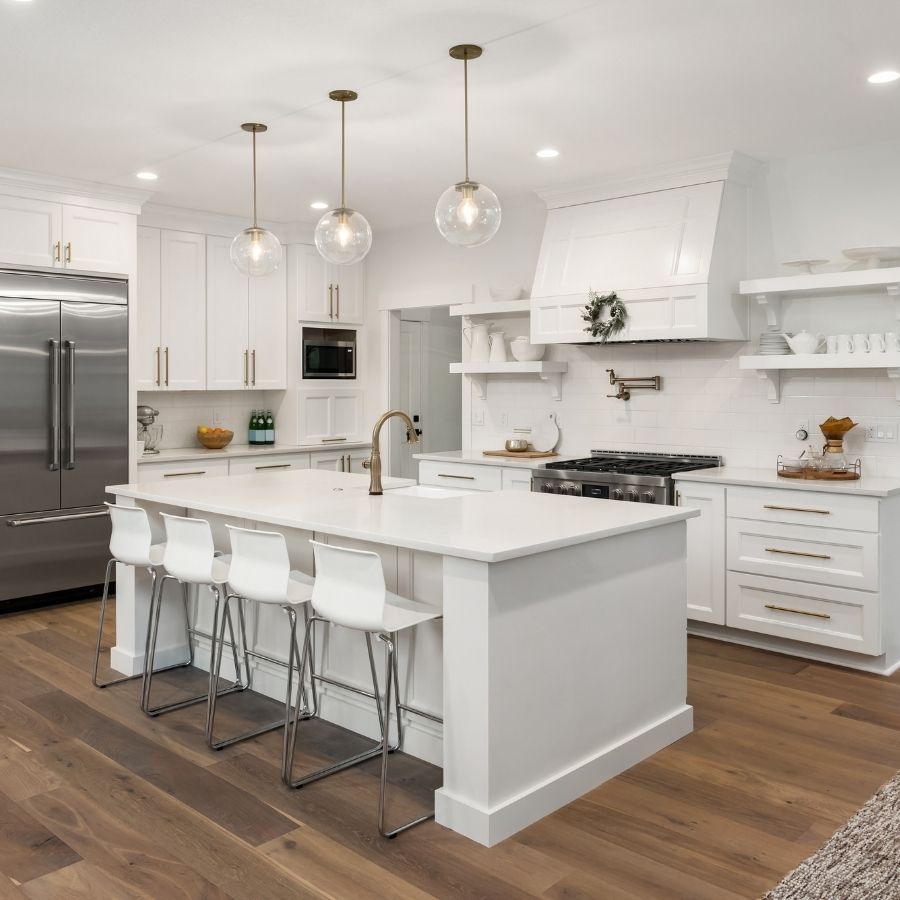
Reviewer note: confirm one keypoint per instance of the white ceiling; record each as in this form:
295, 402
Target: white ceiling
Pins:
98, 89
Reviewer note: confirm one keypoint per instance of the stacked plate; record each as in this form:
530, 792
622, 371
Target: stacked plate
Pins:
773, 344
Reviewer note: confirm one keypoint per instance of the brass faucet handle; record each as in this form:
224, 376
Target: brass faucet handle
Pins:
367, 463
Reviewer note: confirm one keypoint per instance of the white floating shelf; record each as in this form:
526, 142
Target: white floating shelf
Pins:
550, 372
770, 368
492, 308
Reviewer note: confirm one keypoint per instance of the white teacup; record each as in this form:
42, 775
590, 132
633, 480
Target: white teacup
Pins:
892, 342
877, 343
844, 343
831, 343
861, 343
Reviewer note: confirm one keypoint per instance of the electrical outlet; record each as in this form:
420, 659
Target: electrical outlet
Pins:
504, 419
217, 418
478, 417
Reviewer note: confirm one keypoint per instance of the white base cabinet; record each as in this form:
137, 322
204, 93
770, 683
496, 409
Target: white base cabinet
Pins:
347, 460
705, 551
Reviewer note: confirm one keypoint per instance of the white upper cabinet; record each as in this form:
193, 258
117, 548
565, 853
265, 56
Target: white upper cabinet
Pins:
98, 240
674, 256
330, 416
30, 232
60, 235
246, 318
322, 292
146, 362
183, 311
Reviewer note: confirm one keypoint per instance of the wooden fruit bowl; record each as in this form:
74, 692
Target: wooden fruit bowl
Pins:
215, 440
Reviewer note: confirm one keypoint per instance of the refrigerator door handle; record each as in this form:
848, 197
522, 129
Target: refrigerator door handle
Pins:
70, 405
67, 517
54, 406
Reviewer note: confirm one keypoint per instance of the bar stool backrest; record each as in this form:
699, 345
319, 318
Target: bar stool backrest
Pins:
260, 565
131, 536
190, 550
349, 588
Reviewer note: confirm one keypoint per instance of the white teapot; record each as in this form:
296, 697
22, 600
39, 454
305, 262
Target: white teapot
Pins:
804, 342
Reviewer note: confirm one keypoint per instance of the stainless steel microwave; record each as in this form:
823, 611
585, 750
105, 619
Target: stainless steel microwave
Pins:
329, 353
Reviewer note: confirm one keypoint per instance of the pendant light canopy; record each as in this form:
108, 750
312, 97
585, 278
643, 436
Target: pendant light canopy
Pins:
255, 251
467, 213
343, 236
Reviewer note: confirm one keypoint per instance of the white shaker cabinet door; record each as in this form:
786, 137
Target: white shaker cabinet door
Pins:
268, 331
30, 232
308, 284
183, 310
349, 287
227, 341
705, 550
98, 240
347, 414
147, 362
315, 416
330, 415
329, 460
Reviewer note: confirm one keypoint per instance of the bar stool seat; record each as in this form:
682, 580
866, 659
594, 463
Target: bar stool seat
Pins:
350, 591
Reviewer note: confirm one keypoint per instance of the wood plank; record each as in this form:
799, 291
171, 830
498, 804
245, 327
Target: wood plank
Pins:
81, 881
884, 718
21, 775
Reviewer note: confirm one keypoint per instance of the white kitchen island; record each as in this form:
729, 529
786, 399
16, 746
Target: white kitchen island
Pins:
561, 657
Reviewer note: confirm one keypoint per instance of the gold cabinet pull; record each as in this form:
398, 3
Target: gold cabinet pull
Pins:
330, 301
68, 251
157, 367
179, 474
798, 553
253, 367
799, 612
803, 509
274, 466
167, 366
246, 370
57, 251
460, 477
337, 301
333, 440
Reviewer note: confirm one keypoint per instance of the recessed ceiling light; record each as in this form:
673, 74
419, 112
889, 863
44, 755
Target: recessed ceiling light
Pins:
147, 176
885, 77
318, 204
547, 153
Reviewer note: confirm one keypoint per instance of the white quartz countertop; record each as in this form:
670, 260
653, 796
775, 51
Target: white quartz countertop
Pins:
233, 451
486, 526
867, 486
477, 458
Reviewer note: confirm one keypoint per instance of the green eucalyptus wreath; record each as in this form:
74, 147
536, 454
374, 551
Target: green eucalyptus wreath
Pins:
614, 320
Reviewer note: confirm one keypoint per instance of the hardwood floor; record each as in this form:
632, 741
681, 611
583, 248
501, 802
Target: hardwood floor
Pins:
97, 801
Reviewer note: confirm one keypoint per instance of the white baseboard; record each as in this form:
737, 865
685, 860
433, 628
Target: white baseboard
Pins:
490, 826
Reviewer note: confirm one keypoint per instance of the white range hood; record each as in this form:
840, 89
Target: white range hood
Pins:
671, 243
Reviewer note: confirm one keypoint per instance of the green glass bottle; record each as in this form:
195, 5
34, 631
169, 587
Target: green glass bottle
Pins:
251, 430
270, 427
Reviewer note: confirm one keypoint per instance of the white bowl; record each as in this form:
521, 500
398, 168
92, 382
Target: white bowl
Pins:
524, 351
506, 293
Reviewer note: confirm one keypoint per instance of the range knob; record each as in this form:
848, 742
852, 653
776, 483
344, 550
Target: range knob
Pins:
618, 494
571, 488
547, 487
632, 496
648, 497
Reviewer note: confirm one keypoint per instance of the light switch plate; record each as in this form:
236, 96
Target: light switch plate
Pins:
478, 417
882, 431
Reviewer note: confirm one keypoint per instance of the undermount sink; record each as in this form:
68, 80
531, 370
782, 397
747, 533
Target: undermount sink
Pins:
424, 490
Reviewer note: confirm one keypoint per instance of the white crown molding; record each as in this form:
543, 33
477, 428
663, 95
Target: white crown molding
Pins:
734, 166
176, 218
72, 191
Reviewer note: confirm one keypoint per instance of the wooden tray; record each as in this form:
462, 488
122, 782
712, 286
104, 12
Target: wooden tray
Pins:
521, 454
820, 476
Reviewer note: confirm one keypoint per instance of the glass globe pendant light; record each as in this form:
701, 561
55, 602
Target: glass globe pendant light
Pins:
343, 236
467, 213
255, 251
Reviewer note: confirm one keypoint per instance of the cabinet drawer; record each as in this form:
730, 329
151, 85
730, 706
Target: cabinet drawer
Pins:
829, 616
824, 555
272, 462
516, 479
804, 508
462, 475
190, 469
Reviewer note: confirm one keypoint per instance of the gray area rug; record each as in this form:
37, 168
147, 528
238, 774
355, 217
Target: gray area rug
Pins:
860, 862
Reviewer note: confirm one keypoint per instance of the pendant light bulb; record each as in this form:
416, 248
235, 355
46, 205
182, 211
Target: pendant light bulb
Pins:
343, 235
467, 214
255, 251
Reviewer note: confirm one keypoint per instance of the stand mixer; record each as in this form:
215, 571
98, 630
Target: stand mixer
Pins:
149, 432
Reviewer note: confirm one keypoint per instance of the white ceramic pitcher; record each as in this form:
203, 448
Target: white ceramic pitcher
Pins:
498, 347
479, 342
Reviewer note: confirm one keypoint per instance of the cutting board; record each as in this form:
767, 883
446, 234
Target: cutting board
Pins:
522, 454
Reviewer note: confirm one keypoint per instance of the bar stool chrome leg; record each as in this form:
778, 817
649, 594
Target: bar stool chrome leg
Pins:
391, 679
150, 654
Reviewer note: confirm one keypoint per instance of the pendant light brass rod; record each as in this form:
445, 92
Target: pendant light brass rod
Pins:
343, 152
254, 180
466, 110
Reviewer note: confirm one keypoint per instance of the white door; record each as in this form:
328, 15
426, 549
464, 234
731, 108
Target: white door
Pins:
308, 284
705, 551
30, 232
183, 308
98, 240
147, 362
410, 398
268, 331
331, 460
227, 340
349, 284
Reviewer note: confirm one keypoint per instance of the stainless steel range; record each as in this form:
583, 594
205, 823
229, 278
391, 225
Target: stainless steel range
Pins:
619, 475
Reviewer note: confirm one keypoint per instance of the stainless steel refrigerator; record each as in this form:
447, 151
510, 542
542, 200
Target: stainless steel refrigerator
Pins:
63, 430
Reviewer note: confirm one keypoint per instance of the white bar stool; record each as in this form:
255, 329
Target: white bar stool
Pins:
260, 572
350, 591
189, 557
131, 543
